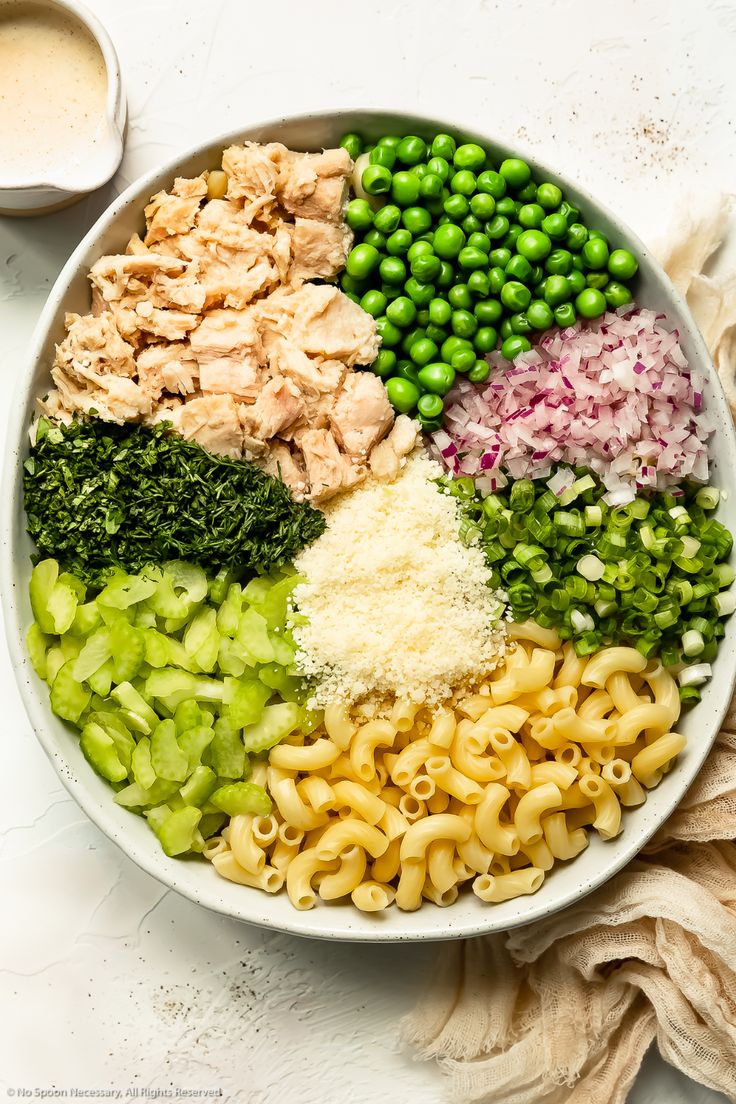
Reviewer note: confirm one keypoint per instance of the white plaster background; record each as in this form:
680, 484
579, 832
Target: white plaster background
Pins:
105, 979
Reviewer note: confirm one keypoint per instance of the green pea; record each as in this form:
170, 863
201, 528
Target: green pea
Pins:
463, 360
492, 183
391, 291
506, 207
375, 238
430, 425
389, 333
405, 188
437, 377
520, 323
440, 312
420, 171
448, 241
362, 259
472, 225
528, 193
422, 317
515, 296
439, 167
530, 216
423, 351
539, 315
513, 235
577, 262
617, 295
408, 371
417, 220
515, 345
353, 143
420, 293
559, 262
496, 279
480, 372
597, 280
463, 183
479, 284
456, 207
576, 280
472, 258
497, 227
402, 394
398, 243
464, 324
565, 315
515, 172
419, 249
387, 219
402, 312
359, 214
443, 145
533, 244
411, 150
426, 267
392, 270
506, 329
376, 179
350, 285
382, 155
447, 273
577, 236
600, 236
418, 333
385, 363
459, 297
485, 339
391, 140
590, 303
488, 312
451, 346
374, 303
479, 240
595, 253
518, 268
500, 257
555, 226
537, 274
557, 290
438, 334
430, 186
353, 297
622, 264
470, 156
549, 196
482, 205
430, 406
571, 213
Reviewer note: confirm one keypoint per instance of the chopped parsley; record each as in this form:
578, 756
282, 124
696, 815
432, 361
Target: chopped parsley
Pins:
99, 496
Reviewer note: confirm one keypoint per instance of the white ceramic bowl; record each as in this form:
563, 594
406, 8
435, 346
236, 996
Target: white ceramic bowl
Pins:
36, 197
195, 878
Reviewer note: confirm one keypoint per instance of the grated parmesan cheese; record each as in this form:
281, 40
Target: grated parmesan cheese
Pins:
396, 603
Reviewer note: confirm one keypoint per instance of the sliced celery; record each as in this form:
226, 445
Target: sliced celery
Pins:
245, 700
126, 590
118, 733
43, 581
97, 650
143, 771
229, 613
100, 752
38, 644
167, 758
87, 618
128, 648
226, 753
177, 832
253, 636
276, 722
135, 797
136, 708
101, 680
242, 797
187, 715
201, 783
69, 698
193, 743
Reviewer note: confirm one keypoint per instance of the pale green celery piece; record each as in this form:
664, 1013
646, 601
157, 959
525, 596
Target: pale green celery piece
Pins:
145, 618
283, 651
95, 651
193, 742
62, 605
205, 689
256, 592
69, 699
70, 646
166, 603
101, 680
111, 616
201, 639
276, 722
143, 771
167, 758
137, 707
311, 720
217, 587
101, 753
43, 581
169, 680
127, 646
208, 718
179, 656
198, 841
253, 636
188, 578
116, 730
38, 643
135, 797
287, 687
211, 823
201, 783
55, 660
126, 590
87, 618
177, 832
235, 798
156, 647
226, 754
157, 816
187, 715
230, 658
244, 700
76, 585
272, 603
228, 615
174, 625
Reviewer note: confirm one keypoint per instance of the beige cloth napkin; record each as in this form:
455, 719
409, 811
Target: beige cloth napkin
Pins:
563, 1010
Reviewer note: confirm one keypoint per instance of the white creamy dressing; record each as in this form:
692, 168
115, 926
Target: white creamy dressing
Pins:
53, 89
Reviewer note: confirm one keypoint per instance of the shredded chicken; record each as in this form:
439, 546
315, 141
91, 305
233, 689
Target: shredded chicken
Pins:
209, 320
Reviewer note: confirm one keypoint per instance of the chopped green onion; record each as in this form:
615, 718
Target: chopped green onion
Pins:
590, 567
725, 604
692, 642
708, 498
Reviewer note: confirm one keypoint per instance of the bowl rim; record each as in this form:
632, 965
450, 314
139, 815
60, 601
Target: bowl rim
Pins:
38, 710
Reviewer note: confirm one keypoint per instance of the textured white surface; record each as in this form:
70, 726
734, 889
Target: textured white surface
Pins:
108, 981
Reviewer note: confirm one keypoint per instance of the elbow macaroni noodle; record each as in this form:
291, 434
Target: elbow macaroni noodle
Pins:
490, 791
